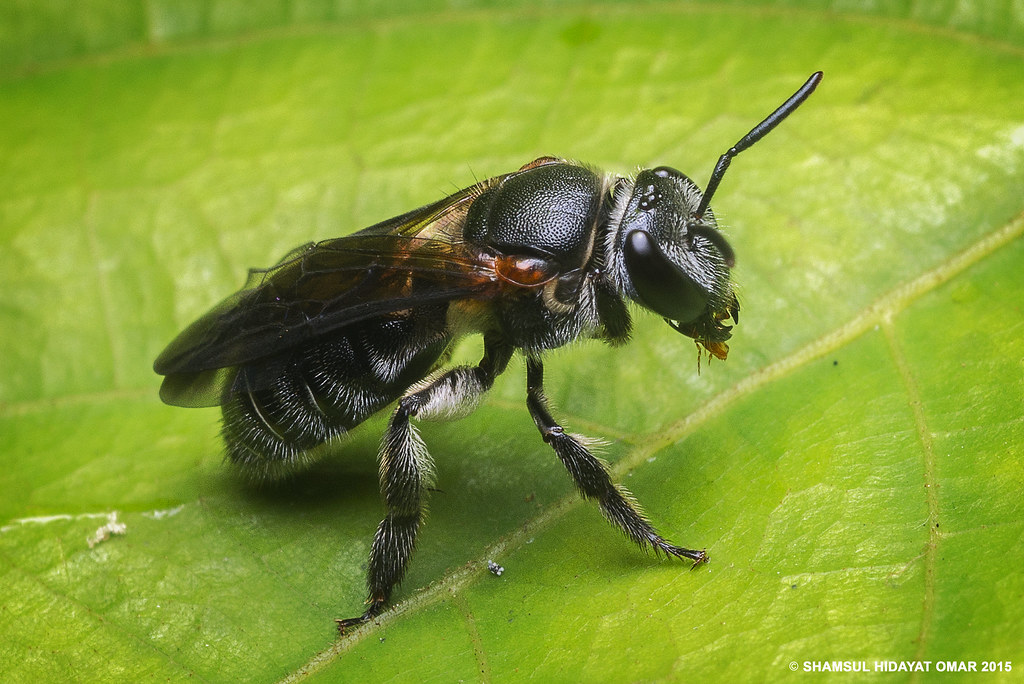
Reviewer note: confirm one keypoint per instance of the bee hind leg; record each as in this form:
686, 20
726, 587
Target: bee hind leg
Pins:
405, 469
591, 475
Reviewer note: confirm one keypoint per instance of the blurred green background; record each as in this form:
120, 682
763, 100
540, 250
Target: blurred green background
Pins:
854, 469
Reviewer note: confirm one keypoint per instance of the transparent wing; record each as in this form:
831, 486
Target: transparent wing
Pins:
410, 260
329, 286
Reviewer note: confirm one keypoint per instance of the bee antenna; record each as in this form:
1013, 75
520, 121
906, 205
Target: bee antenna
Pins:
759, 131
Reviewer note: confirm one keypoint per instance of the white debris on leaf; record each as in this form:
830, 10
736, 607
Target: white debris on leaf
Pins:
164, 513
104, 532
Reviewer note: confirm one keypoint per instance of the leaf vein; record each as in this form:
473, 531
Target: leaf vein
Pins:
474, 636
928, 455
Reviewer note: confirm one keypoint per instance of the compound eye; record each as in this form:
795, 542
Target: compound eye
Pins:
666, 172
660, 285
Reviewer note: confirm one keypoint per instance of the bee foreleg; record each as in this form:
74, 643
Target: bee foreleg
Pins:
591, 475
406, 470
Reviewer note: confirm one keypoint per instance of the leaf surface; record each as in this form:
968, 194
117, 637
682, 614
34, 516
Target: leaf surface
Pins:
854, 469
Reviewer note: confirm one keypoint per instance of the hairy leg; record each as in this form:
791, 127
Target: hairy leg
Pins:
591, 476
405, 469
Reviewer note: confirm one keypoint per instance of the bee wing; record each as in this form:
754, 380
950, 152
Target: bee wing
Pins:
323, 287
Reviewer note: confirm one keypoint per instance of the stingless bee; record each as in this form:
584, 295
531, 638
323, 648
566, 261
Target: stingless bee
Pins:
532, 260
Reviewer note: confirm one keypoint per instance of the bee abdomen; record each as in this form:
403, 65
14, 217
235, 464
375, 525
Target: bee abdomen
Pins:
322, 390
268, 432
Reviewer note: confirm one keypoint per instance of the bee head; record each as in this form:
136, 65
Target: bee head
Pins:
672, 260
666, 252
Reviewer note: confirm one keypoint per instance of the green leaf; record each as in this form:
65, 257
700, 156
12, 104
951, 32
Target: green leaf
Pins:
854, 470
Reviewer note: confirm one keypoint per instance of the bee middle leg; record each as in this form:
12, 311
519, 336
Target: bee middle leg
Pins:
405, 469
591, 475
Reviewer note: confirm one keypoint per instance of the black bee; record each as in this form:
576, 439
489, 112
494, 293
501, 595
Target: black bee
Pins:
532, 260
